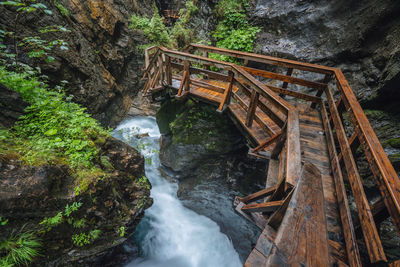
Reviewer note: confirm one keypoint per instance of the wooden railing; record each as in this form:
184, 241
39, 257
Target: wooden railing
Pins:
162, 62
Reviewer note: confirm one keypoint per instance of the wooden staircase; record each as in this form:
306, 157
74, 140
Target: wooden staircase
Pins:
304, 210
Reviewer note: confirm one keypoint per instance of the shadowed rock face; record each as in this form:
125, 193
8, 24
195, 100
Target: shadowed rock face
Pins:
360, 37
103, 62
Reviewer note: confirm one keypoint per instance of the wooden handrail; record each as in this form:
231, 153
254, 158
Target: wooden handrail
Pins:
267, 59
387, 176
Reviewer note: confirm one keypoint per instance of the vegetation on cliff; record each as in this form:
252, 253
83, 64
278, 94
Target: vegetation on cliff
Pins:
56, 161
159, 34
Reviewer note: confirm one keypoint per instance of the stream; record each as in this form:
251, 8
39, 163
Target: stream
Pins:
170, 234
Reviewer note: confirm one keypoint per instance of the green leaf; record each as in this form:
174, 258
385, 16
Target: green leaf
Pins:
49, 59
48, 12
51, 132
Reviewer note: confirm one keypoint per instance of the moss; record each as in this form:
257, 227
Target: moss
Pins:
167, 113
393, 142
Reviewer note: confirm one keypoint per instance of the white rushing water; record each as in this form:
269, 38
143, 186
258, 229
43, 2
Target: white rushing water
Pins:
170, 234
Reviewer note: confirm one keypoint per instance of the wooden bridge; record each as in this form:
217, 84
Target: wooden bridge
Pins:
310, 140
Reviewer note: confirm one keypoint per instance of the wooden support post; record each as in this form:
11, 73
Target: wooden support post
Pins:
161, 68
371, 236
168, 69
252, 108
285, 84
186, 67
182, 85
226, 99
205, 54
326, 80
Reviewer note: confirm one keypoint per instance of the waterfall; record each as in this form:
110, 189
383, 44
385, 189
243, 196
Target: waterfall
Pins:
171, 234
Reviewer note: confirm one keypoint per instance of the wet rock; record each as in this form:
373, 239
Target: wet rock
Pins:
28, 194
103, 62
11, 106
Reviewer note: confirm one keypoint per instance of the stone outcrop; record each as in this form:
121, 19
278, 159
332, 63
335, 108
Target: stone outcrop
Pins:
28, 194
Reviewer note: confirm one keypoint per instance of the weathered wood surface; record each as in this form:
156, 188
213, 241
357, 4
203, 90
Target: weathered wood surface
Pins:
302, 238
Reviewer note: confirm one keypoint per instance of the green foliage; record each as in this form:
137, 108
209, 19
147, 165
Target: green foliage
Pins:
51, 222
35, 46
154, 28
234, 31
143, 181
159, 34
3, 221
52, 127
74, 207
121, 231
64, 11
83, 239
19, 249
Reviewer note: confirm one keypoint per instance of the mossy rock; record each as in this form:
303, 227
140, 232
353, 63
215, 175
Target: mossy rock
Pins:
167, 113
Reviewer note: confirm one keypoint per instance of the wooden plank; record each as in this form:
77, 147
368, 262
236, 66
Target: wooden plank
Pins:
385, 175
302, 238
371, 236
394, 264
228, 92
267, 59
168, 69
345, 214
293, 164
182, 85
254, 217
252, 108
281, 77
258, 195
275, 219
263, 207
151, 63
255, 259
354, 142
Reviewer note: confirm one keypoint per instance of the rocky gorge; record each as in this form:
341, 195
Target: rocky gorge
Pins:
204, 151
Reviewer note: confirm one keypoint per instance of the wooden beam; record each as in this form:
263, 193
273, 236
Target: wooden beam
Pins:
345, 214
168, 69
293, 164
382, 169
288, 79
252, 108
209, 86
258, 195
354, 142
371, 236
302, 237
326, 80
264, 107
208, 73
267, 59
307, 97
263, 207
182, 85
267, 143
227, 94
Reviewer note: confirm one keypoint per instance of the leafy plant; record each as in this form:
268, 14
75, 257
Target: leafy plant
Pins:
122, 231
51, 222
234, 30
83, 239
19, 249
74, 207
64, 11
52, 127
159, 34
37, 46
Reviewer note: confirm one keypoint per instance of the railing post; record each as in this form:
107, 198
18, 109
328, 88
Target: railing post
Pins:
319, 93
226, 98
168, 70
186, 66
252, 108
285, 84
161, 69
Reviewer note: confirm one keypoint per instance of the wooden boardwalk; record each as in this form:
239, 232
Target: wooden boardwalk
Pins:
304, 210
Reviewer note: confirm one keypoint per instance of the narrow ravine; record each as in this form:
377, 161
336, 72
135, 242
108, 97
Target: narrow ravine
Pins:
171, 234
